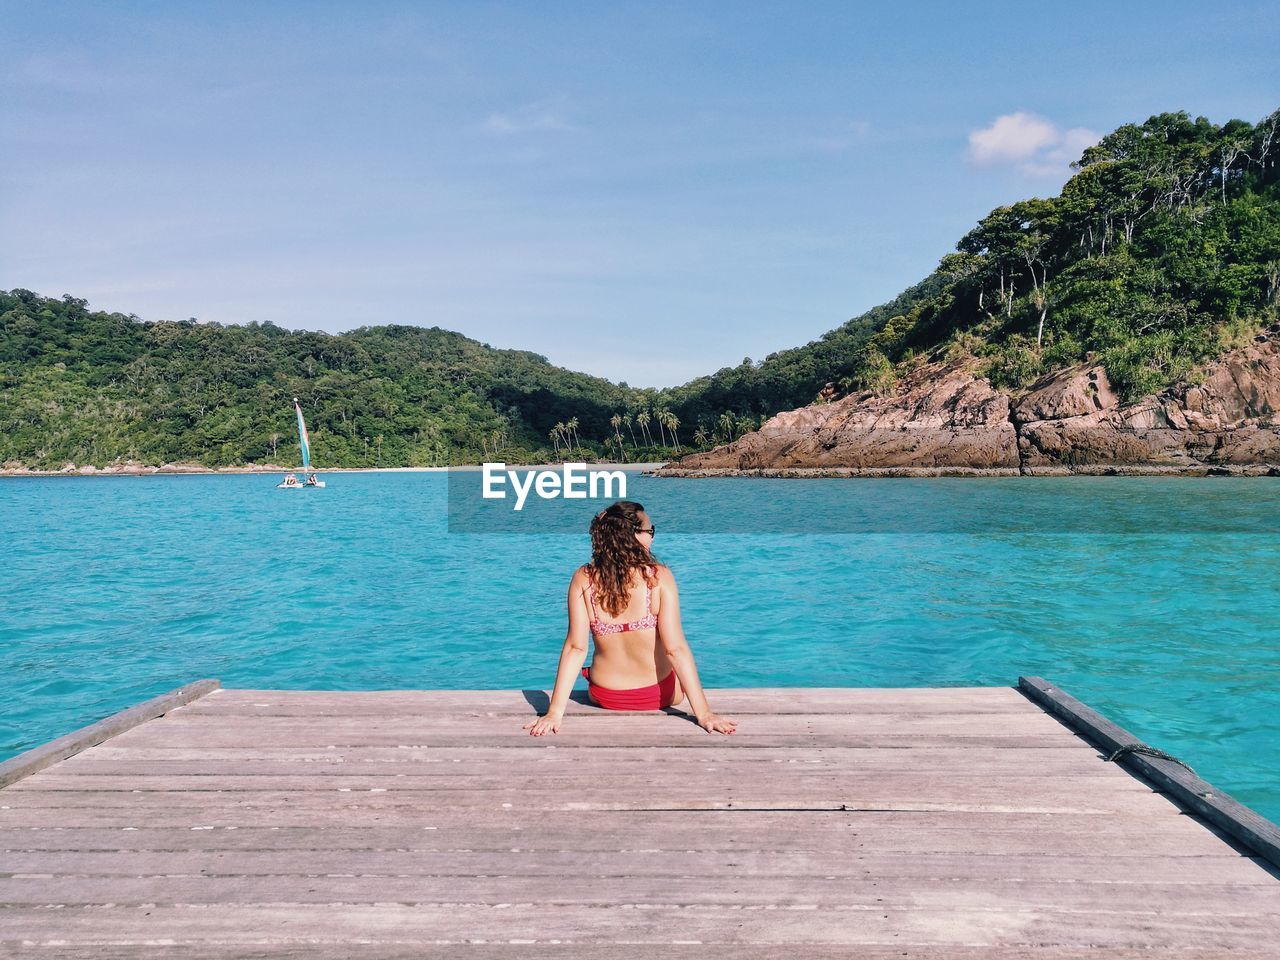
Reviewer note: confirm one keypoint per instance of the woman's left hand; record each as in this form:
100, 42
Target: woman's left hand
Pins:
542, 725
716, 724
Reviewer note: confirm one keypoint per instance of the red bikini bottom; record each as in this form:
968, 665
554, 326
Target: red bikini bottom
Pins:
653, 697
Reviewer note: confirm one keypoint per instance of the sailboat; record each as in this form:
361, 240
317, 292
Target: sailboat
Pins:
291, 482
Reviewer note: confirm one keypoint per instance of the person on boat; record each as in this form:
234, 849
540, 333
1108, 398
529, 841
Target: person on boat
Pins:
642, 660
290, 480
312, 479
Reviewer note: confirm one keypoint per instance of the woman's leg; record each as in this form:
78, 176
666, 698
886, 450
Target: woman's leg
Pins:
677, 697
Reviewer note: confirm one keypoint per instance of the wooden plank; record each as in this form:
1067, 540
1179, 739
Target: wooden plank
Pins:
269, 775
603, 723
715, 781
795, 925
37, 758
850, 832
764, 696
552, 750
795, 861
635, 738
1250, 828
900, 791
407, 816
818, 731
770, 702
424, 765
587, 887
681, 736
683, 823
558, 949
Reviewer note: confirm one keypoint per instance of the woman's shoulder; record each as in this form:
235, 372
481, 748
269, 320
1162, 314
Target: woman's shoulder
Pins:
652, 573
657, 573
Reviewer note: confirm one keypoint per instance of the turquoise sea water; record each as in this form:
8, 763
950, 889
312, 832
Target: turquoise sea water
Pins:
1163, 615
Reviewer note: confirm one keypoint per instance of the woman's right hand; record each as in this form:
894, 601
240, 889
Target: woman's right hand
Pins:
717, 724
542, 725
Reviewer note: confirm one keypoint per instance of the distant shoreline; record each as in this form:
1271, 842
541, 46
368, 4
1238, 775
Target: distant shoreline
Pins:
190, 470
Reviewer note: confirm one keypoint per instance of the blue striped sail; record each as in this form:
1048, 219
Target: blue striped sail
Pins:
304, 441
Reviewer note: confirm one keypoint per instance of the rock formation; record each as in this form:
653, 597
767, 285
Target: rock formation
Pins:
944, 419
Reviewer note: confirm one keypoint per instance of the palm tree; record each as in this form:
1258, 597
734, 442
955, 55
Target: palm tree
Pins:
556, 431
672, 423
616, 421
726, 424
642, 418
573, 430
626, 418
661, 416
700, 437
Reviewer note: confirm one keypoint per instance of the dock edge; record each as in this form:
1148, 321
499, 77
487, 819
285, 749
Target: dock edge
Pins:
37, 758
1247, 826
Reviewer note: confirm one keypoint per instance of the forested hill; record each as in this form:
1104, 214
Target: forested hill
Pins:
1162, 250
89, 387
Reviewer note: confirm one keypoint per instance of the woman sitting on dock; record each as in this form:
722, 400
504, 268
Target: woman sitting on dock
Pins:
643, 663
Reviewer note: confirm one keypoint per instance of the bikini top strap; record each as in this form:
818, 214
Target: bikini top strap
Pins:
590, 591
590, 602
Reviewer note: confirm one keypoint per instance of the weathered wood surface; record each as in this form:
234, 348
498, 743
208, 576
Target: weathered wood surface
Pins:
47, 754
1259, 834
952, 823
557, 949
773, 702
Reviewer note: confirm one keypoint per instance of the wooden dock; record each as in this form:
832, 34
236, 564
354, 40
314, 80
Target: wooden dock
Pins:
872, 823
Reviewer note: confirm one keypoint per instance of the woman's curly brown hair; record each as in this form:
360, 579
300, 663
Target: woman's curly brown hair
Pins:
615, 552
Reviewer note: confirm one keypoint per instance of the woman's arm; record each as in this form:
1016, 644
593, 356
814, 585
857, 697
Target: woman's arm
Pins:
572, 655
671, 636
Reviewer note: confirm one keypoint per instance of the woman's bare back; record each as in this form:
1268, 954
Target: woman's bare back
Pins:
628, 658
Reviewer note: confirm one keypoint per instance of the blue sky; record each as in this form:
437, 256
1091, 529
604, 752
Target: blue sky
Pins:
647, 192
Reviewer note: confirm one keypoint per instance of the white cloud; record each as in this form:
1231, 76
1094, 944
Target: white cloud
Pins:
531, 118
1015, 136
1032, 144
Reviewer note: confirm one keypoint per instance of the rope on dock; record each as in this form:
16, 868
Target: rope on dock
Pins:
1143, 749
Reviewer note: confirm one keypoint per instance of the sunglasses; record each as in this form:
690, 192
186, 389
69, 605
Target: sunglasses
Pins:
651, 531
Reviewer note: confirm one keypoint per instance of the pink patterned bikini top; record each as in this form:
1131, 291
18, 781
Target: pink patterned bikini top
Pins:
599, 627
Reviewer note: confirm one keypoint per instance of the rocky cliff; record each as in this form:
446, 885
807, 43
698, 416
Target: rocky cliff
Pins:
944, 419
